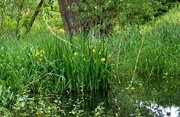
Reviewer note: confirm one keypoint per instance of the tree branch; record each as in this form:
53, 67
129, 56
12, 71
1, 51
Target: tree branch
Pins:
34, 16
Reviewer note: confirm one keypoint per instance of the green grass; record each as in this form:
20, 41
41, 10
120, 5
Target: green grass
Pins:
160, 47
45, 64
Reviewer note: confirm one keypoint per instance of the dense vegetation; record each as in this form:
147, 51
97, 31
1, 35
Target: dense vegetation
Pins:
43, 63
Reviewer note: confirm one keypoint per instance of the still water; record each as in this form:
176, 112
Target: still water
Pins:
160, 111
159, 97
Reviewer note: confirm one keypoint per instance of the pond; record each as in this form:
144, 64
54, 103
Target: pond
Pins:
159, 97
160, 111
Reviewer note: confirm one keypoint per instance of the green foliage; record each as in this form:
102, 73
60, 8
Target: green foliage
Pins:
102, 16
61, 107
5, 95
52, 14
15, 16
99, 111
13, 12
96, 16
82, 68
53, 66
159, 53
27, 106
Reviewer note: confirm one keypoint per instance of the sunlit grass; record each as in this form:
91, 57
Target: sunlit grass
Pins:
49, 65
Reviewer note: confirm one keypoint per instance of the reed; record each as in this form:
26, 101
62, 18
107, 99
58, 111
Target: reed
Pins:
157, 55
46, 64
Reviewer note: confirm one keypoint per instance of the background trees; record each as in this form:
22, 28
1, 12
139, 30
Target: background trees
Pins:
91, 16
102, 16
15, 16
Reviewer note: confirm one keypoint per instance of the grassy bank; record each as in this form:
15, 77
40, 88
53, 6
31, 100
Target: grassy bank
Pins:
151, 49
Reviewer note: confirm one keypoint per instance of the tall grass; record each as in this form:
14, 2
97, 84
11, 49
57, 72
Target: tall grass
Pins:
83, 67
159, 53
162, 45
45, 64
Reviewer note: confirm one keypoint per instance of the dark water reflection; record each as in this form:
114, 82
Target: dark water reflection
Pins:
157, 97
85, 103
160, 111
161, 96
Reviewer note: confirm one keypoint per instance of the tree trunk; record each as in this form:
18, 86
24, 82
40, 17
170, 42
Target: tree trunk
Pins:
34, 16
20, 7
3, 8
69, 17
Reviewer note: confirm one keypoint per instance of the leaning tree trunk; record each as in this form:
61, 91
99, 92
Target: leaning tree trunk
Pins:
20, 7
69, 16
28, 28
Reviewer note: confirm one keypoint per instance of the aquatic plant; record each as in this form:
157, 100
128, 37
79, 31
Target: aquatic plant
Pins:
48, 65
